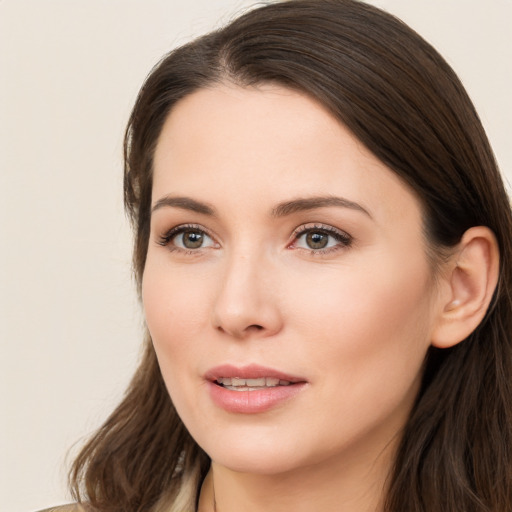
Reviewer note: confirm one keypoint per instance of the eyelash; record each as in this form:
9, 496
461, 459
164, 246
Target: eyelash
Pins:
343, 239
165, 239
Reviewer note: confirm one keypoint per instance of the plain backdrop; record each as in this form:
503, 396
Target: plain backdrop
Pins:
70, 325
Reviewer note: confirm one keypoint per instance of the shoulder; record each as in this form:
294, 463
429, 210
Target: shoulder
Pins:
72, 507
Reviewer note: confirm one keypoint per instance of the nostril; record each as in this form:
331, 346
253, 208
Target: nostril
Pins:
256, 327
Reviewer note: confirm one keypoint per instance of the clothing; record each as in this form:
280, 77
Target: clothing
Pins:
72, 507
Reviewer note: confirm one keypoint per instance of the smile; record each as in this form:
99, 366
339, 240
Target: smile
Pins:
238, 384
251, 389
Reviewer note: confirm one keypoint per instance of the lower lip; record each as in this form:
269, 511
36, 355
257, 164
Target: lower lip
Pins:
253, 402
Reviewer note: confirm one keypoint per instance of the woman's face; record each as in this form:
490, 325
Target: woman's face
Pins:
284, 253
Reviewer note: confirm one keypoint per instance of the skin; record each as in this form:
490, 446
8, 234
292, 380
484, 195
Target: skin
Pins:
354, 320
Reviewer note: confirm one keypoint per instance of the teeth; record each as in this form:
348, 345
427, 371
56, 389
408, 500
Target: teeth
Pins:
253, 383
237, 384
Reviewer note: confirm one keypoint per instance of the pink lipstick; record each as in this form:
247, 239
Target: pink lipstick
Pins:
251, 389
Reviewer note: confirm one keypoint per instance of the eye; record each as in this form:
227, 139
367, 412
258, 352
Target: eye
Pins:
187, 238
321, 239
192, 239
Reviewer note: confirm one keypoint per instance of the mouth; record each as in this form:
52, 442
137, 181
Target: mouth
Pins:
252, 389
254, 384
250, 377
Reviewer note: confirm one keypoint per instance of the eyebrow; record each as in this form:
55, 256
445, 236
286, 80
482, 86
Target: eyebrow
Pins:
281, 210
185, 203
312, 203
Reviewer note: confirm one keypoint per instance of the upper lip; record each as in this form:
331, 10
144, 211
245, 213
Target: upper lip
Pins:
251, 371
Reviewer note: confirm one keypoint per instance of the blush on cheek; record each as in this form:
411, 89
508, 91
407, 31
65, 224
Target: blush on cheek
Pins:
376, 323
168, 299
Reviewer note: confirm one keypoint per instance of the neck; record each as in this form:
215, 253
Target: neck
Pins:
329, 486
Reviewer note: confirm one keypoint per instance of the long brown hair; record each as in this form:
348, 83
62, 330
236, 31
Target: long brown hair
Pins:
406, 105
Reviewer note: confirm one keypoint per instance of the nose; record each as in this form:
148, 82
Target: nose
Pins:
247, 303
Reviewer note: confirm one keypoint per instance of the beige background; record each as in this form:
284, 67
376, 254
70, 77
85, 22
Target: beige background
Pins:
69, 321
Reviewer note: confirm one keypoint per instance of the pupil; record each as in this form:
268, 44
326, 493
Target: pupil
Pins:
192, 239
316, 240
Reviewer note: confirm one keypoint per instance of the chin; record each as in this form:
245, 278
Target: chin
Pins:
261, 464
262, 455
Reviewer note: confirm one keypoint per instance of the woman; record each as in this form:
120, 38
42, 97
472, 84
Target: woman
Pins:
322, 249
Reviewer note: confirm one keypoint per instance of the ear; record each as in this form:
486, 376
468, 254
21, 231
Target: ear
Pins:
467, 288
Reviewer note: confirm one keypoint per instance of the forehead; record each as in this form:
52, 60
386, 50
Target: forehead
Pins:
232, 145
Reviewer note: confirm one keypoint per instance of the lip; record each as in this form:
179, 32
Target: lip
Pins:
251, 371
251, 402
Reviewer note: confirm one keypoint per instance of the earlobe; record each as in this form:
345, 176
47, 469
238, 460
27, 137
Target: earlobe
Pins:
469, 283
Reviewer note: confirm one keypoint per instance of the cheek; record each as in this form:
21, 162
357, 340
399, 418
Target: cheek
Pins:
367, 336
176, 310
372, 324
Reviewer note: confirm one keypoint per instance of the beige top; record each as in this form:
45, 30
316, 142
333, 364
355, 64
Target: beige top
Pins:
72, 507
